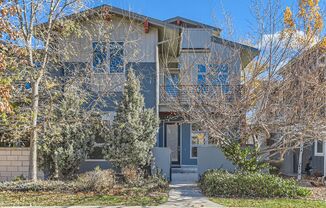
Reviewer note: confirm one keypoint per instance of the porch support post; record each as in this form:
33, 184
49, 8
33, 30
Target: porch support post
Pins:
157, 81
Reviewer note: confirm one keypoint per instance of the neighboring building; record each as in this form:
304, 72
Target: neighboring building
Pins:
313, 61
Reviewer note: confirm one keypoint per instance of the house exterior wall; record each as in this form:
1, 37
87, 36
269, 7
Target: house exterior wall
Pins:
162, 162
139, 46
317, 162
213, 53
196, 38
211, 157
14, 162
291, 159
139, 54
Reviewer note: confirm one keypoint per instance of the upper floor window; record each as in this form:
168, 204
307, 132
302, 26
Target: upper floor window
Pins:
214, 75
116, 57
201, 78
219, 74
108, 56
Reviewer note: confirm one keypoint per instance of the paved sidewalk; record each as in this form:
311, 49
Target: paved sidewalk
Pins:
187, 195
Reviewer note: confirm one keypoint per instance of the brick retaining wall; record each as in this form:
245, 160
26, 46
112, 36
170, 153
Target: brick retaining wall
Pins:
13, 162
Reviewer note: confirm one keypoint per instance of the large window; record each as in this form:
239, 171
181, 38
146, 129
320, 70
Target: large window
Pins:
100, 60
116, 57
172, 84
108, 57
219, 76
199, 137
319, 148
212, 75
201, 78
97, 151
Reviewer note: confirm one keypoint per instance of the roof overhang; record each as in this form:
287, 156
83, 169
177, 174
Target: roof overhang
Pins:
247, 53
169, 34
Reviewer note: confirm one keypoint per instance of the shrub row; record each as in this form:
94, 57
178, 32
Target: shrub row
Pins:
222, 183
99, 181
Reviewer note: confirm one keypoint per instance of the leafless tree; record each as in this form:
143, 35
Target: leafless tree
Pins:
268, 97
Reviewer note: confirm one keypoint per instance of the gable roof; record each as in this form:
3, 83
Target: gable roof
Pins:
320, 45
192, 22
121, 12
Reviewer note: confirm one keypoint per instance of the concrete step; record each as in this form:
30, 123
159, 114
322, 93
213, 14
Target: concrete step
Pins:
184, 177
184, 170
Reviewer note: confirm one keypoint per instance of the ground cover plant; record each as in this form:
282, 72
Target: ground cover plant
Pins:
98, 187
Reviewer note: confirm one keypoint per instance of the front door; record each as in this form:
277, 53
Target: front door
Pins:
172, 141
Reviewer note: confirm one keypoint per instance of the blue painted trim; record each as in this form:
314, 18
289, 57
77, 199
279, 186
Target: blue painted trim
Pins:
186, 139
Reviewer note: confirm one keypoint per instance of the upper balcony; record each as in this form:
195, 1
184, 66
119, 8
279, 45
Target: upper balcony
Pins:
174, 96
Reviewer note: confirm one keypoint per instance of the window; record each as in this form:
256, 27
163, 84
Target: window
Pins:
97, 151
199, 137
172, 84
99, 56
116, 57
108, 57
201, 78
319, 148
219, 76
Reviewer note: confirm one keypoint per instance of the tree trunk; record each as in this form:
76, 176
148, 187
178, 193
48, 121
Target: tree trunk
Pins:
56, 166
300, 162
33, 139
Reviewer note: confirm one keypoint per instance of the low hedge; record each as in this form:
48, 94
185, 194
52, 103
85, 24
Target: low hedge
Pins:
98, 181
253, 185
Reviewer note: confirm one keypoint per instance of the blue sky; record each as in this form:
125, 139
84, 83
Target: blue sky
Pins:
206, 11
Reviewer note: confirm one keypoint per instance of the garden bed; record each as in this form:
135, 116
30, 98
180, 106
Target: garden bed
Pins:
130, 198
98, 187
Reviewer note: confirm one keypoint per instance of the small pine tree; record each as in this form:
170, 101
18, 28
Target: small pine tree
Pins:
67, 136
133, 132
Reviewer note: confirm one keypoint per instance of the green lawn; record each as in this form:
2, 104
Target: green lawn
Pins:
67, 199
269, 203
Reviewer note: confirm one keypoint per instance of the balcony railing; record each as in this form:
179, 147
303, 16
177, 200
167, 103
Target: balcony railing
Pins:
186, 93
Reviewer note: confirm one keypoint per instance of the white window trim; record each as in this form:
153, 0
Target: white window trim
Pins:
107, 45
316, 153
197, 145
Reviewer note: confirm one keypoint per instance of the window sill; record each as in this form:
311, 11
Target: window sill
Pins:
319, 154
95, 160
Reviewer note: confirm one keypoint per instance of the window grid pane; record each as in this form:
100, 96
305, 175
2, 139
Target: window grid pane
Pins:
116, 57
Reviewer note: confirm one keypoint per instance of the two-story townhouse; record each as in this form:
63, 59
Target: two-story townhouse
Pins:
169, 57
310, 67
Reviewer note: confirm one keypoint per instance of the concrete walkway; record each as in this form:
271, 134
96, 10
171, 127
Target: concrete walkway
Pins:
187, 195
